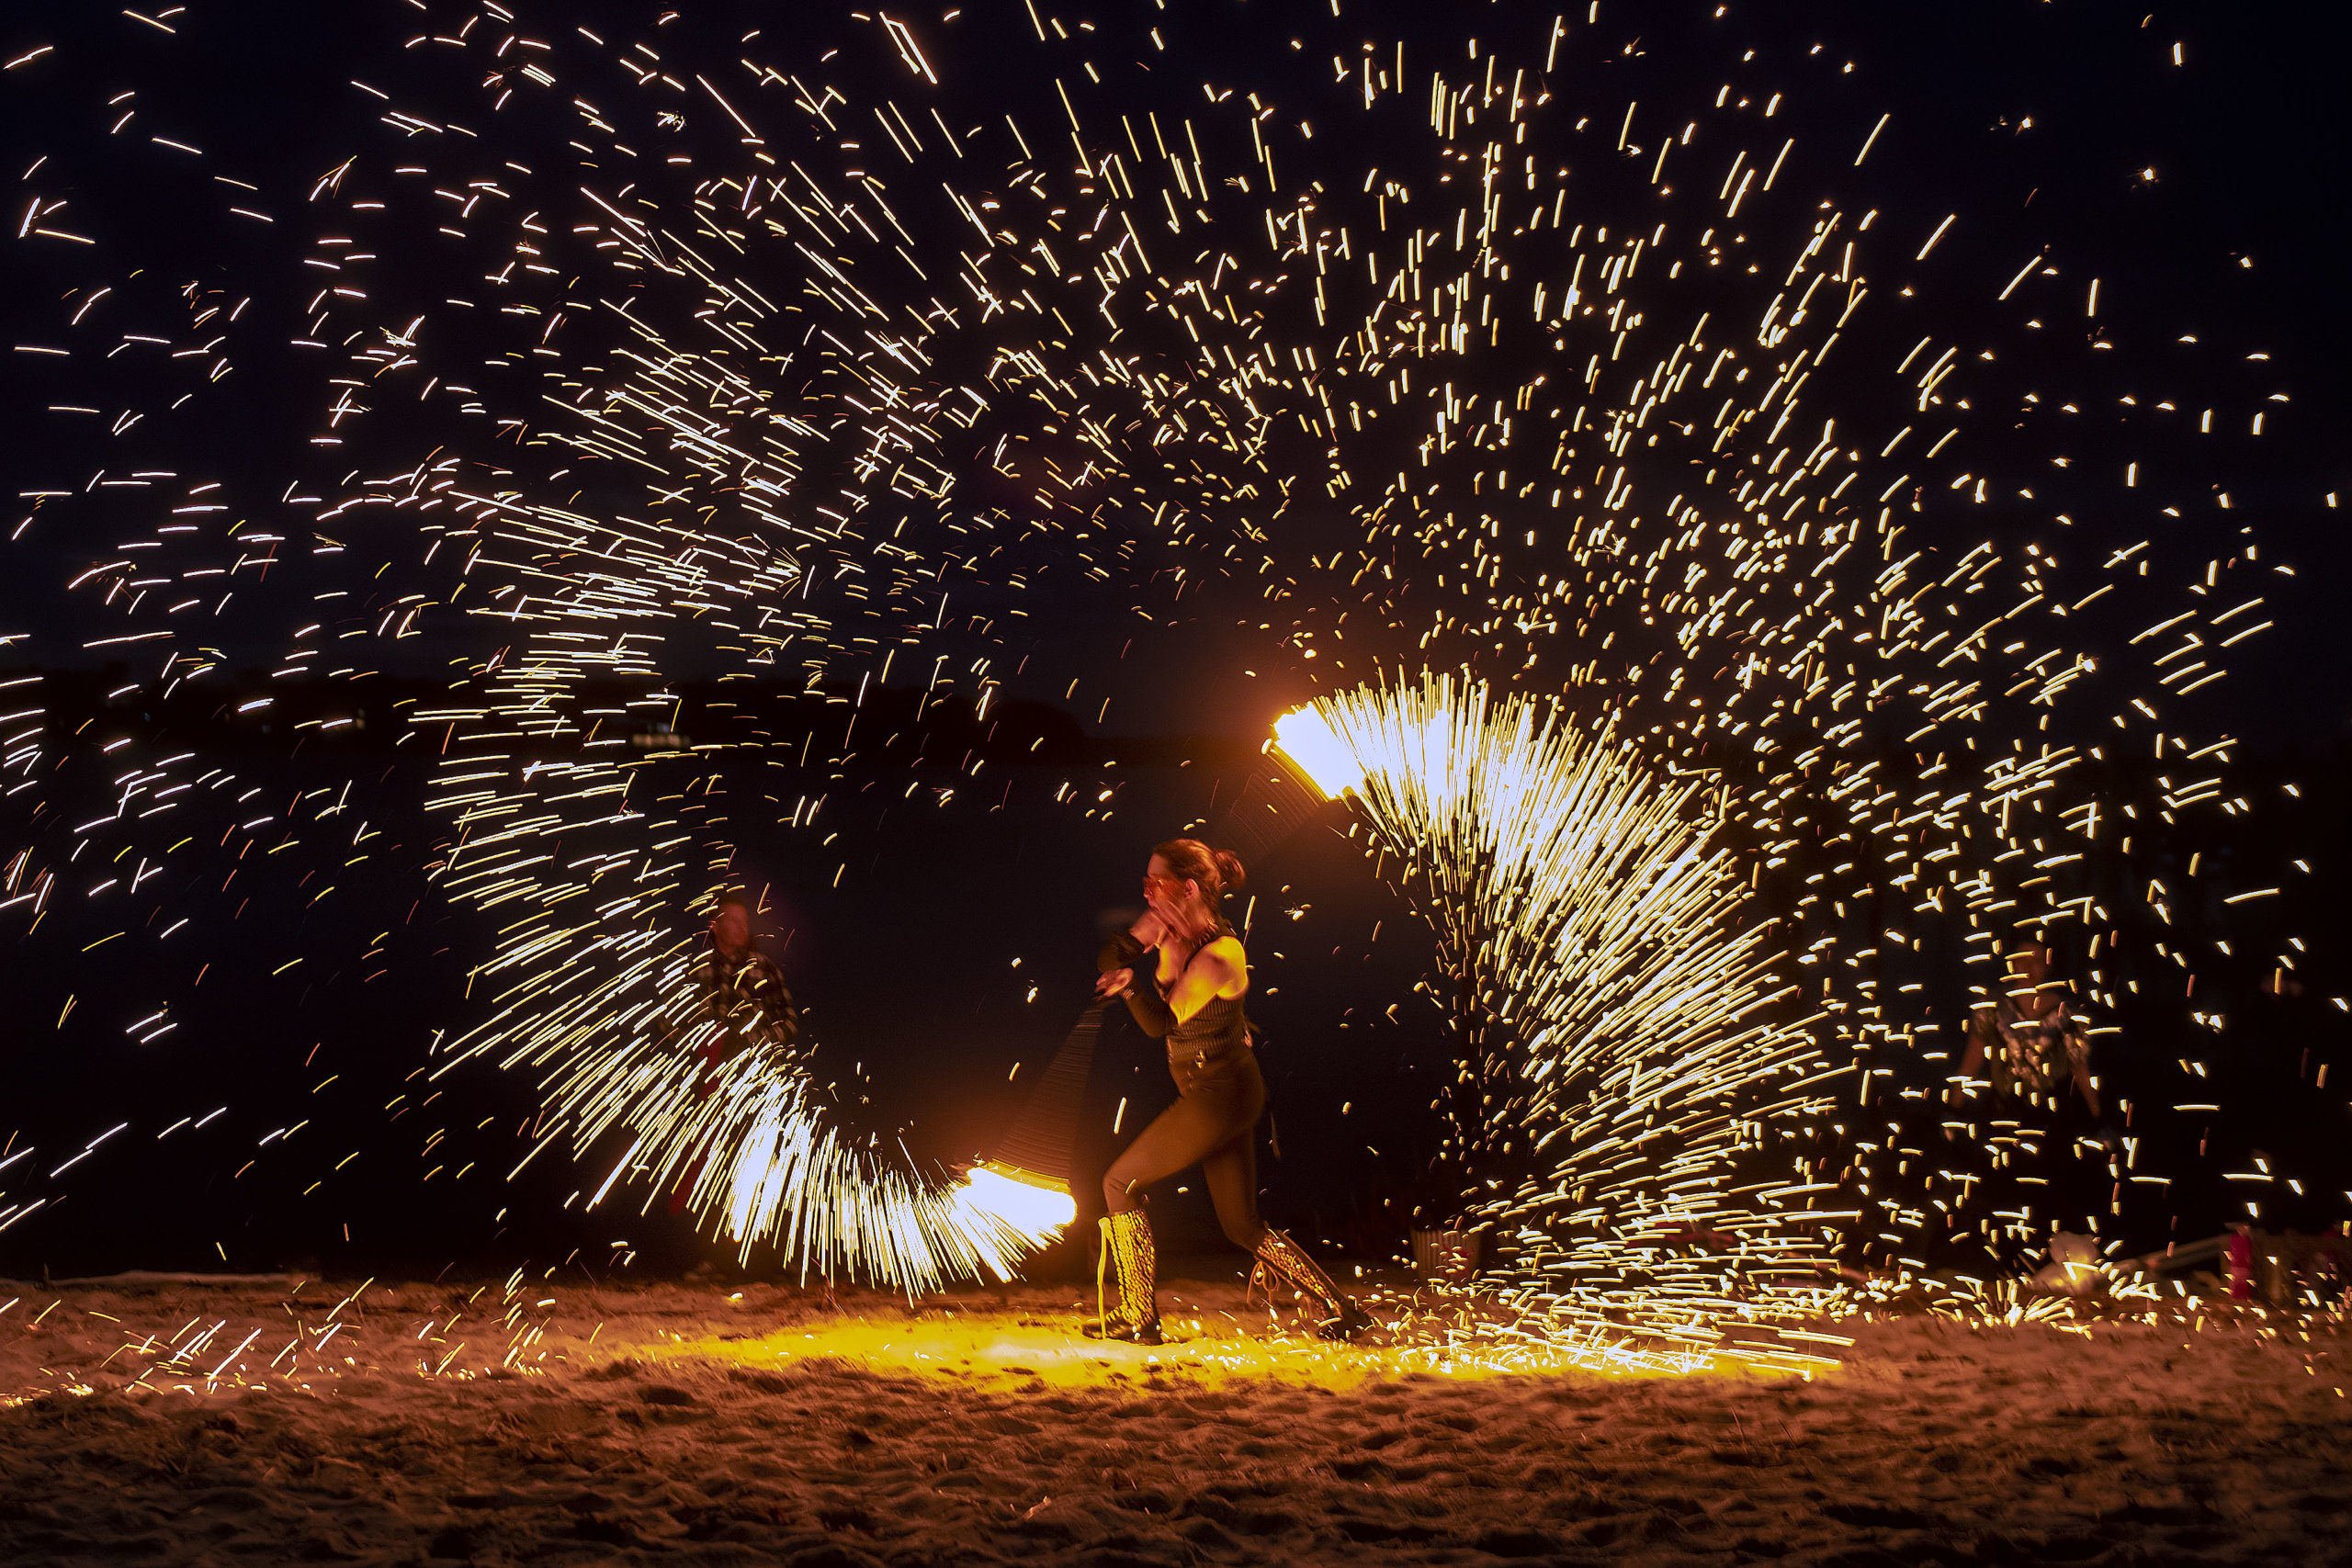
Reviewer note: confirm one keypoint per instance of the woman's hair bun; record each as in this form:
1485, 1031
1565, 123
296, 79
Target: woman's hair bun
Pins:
1228, 871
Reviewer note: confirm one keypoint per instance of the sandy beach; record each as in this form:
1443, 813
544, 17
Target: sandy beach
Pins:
173, 1421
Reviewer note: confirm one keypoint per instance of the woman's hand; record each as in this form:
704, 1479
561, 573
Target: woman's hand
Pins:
1174, 932
1115, 982
1150, 929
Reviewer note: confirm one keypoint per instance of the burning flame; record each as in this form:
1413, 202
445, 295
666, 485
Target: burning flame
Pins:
1305, 739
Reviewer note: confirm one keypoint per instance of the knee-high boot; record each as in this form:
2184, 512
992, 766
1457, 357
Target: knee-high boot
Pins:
1128, 1249
1280, 1259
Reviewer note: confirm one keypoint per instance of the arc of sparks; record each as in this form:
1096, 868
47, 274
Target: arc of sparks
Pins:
1626, 1042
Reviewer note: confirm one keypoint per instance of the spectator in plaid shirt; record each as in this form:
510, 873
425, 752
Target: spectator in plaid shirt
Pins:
2029, 1039
741, 989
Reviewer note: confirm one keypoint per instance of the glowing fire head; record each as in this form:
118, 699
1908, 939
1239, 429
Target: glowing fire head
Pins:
1034, 1208
1305, 739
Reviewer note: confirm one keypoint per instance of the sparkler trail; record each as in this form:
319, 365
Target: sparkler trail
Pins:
639, 346
1622, 1055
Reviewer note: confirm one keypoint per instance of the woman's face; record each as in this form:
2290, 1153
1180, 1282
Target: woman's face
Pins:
1159, 883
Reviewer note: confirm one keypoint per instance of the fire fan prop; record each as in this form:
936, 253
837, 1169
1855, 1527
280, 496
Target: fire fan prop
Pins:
1627, 1052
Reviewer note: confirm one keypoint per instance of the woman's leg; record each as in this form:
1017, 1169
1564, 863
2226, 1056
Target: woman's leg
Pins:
1183, 1135
1231, 1172
1231, 1169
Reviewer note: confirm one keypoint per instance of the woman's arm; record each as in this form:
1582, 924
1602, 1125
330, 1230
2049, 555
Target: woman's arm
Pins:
1122, 951
1147, 1006
1120, 964
1126, 949
1212, 972
1217, 970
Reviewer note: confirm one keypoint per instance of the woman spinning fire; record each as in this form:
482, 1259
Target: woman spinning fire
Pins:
1191, 995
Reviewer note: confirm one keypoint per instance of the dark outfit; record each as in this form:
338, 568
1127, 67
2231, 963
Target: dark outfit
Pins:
2031, 1054
1214, 1123
1220, 1095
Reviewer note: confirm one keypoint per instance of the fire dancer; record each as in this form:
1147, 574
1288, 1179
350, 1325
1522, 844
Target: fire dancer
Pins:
2034, 1041
1191, 995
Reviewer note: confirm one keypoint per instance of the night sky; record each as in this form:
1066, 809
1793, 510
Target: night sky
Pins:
941, 934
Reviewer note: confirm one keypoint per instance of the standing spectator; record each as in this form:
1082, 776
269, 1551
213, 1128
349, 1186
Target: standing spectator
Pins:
2030, 1036
740, 1002
739, 989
